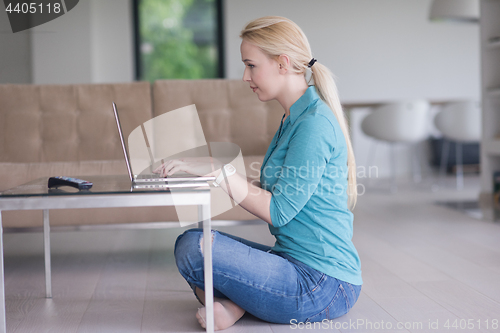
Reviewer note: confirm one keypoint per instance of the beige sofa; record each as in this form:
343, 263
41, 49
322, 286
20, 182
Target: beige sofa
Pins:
69, 130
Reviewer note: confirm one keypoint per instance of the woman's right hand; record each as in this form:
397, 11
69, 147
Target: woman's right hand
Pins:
199, 166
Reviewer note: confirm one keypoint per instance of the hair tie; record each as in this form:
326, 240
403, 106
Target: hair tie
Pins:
311, 63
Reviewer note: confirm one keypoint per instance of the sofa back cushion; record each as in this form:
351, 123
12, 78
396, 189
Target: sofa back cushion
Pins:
62, 123
228, 110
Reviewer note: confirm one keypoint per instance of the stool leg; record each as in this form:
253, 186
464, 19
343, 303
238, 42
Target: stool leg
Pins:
371, 156
417, 172
460, 169
394, 185
445, 149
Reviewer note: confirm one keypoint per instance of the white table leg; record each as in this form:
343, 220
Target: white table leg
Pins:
3, 327
204, 211
46, 245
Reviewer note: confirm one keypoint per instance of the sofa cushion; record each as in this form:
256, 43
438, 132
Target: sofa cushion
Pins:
68, 123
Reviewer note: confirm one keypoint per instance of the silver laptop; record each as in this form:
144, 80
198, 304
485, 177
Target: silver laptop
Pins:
154, 180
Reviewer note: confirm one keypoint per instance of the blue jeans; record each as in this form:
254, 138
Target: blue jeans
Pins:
270, 285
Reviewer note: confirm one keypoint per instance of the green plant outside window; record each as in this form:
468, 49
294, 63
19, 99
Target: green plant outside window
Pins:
178, 39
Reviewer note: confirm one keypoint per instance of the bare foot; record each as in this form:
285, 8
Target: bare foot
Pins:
226, 313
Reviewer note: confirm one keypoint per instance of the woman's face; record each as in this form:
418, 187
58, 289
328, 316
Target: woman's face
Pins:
262, 72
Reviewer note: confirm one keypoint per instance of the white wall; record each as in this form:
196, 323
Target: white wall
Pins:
15, 53
378, 49
92, 43
61, 49
112, 41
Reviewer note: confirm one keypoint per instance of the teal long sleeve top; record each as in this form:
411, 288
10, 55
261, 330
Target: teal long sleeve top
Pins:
305, 169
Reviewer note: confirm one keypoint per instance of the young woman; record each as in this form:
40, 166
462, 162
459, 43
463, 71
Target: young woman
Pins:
308, 186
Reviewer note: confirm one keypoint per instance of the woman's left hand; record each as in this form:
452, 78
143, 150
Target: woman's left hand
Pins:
200, 166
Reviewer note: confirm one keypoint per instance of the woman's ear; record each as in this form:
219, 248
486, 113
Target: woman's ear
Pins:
284, 63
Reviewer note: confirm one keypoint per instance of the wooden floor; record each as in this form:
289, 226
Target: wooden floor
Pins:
424, 266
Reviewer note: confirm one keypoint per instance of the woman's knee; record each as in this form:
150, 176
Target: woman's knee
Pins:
187, 247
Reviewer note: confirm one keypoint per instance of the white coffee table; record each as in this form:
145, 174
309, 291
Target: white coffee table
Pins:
107, 192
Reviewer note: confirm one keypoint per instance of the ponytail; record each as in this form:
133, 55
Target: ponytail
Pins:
327, 91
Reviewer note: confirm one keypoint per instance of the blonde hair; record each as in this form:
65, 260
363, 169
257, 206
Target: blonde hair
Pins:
275, 36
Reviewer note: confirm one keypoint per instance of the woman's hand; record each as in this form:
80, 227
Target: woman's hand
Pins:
200, 166
252, 198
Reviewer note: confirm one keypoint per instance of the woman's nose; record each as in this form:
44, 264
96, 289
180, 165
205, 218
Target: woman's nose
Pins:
246, 76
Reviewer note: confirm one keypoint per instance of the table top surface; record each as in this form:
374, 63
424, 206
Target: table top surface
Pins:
110, 184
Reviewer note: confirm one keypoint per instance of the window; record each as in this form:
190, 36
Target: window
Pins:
178, 39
